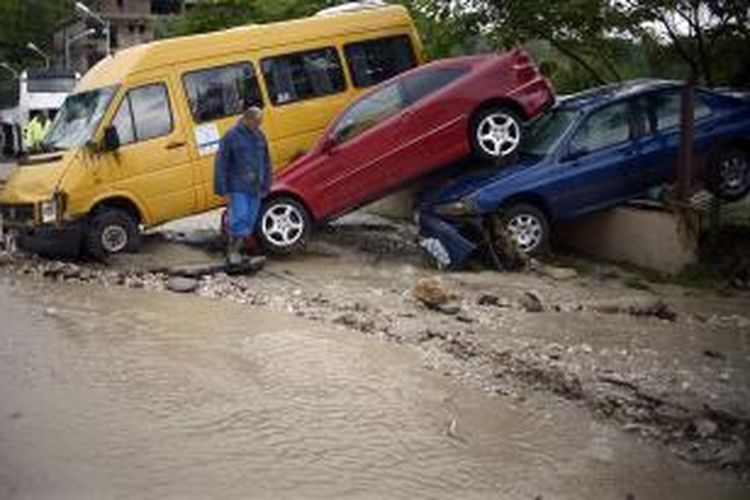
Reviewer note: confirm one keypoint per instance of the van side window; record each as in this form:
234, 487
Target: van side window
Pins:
374, 61
303, 75
424, 83
220, 92
144, 114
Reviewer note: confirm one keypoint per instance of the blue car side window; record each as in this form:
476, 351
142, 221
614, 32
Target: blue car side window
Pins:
603, 128
667, 107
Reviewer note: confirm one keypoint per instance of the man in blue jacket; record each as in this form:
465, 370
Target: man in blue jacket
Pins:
242, 174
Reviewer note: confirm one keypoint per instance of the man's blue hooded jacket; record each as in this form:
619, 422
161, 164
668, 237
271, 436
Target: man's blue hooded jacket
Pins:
242, 164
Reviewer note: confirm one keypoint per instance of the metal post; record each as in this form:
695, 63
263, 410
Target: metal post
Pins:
686, 160
69, 42
107, 29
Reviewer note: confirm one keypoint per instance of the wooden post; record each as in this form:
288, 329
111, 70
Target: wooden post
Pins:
686, 160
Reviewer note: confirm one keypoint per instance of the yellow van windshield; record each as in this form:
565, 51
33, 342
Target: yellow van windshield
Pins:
78, 118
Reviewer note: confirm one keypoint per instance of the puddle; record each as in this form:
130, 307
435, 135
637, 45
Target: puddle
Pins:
120, 393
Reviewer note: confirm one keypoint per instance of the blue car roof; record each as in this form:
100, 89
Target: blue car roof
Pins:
607, 93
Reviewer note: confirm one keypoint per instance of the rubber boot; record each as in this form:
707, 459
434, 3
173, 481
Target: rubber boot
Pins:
234, 252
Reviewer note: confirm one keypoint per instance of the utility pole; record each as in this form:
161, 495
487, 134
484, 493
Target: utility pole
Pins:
85, 13
69, 42
32, 46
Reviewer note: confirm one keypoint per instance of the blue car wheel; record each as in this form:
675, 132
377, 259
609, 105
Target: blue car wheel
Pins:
729, 178
528, 227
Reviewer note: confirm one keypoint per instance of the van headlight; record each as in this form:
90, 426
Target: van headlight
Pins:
456, 208
49, 210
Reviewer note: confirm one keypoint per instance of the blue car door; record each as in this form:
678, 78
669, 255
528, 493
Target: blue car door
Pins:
658, 149
596, 173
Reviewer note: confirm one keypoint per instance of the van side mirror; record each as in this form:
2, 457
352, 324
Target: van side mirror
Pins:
111, 140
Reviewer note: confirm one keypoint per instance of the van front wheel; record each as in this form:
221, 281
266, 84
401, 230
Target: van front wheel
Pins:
111, 231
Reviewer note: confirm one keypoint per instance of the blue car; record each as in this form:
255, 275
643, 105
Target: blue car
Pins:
593, 150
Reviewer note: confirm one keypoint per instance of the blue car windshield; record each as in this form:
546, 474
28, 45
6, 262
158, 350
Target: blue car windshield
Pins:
544, 134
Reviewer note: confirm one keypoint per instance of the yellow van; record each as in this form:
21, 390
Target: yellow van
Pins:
133, 146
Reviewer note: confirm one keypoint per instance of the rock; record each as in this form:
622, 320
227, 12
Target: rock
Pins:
488, 300
51, 311
463, 318
5, 258
655, 308
179, 284
705, 427
714, 354
558, 273
531, 302
451, 309
348, 319
606, 307
352, 320
492, 300
724, 377
433, 292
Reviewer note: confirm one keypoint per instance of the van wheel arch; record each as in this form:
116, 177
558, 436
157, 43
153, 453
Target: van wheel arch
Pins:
121, 203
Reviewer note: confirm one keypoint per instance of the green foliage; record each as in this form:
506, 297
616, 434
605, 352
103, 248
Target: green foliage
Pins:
444, 35
212, 15
580, 43
23, 21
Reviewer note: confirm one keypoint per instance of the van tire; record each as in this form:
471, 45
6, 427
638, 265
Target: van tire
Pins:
111, 231
498, 149
284, 225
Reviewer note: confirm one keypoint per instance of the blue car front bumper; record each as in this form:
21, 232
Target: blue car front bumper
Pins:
451, 244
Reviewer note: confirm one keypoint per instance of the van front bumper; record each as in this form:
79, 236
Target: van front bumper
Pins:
62, 240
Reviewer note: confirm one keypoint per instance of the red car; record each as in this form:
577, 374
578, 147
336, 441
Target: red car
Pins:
403, 129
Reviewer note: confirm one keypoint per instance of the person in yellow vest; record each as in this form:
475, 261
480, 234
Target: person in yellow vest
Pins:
35, 131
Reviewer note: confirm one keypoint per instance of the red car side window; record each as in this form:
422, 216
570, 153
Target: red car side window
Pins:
422, 84
368, 112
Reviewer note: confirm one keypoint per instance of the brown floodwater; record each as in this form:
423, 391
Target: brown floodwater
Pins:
114, 393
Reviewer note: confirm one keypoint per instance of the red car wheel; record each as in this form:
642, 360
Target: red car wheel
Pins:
284, 225
496, 134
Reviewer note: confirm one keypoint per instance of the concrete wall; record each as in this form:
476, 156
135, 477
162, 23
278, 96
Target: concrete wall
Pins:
396, 206
649, 238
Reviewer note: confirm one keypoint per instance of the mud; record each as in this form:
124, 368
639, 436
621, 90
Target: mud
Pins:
131, 394
665, 365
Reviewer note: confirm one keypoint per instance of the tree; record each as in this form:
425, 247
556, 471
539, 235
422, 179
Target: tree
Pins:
695, 29
23, 21
212, 15
597, 41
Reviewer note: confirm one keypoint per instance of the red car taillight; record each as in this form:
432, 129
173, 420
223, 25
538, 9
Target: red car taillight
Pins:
524, 67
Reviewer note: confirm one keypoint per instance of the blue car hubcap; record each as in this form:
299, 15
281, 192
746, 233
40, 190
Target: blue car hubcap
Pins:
527, 231
734, 176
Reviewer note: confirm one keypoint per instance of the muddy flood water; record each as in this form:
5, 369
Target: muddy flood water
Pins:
115, 393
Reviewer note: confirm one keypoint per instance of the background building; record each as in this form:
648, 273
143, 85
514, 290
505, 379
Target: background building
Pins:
132, 22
